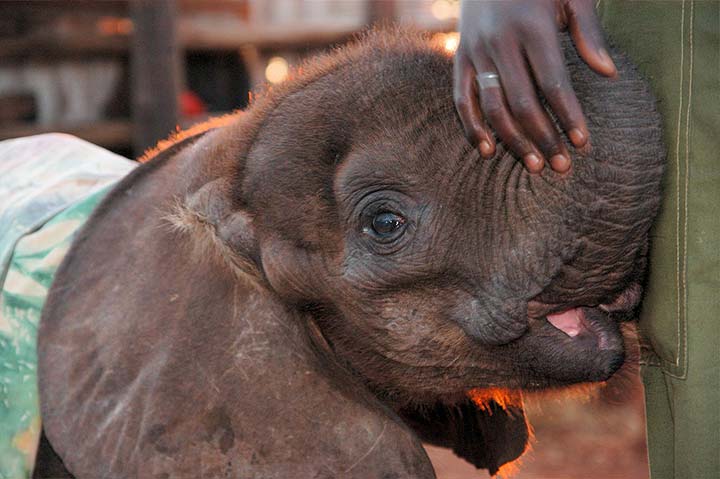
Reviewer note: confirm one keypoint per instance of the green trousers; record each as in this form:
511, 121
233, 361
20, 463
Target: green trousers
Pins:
676, 45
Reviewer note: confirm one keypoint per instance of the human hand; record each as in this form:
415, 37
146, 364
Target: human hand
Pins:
505, 46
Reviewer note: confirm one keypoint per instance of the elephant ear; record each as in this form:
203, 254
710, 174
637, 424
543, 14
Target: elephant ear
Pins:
163, 352
488, 436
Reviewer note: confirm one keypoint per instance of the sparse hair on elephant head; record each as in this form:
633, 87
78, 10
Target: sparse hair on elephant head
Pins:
315, 287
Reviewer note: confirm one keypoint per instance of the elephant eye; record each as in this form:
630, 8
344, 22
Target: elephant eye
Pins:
386, 224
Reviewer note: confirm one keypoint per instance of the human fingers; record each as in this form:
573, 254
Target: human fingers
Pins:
495, 108
526, 109
588, 36
548, 66
465, 94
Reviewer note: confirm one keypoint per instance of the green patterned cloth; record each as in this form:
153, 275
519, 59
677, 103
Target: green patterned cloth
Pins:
49, 184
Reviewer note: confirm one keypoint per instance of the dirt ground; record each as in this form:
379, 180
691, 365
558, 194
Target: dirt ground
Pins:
575, 438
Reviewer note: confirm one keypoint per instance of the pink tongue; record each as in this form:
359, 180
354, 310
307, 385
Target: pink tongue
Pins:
568, 322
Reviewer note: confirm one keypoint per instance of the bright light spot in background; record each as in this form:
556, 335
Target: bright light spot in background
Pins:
110, 26
448, 41
276, 70
445, 9
452, 40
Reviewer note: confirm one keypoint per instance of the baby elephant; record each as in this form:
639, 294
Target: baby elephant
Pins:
335, 275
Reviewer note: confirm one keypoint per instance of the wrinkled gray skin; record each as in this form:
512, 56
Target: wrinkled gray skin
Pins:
263, 329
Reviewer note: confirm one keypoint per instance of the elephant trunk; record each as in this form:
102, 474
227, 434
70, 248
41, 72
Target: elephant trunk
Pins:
610, 199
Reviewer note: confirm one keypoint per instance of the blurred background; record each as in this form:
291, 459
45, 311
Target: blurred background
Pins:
123, 74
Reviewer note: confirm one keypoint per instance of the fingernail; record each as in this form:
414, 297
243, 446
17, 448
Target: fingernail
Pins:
560, 163
607, 61
577, 137
533, 162
485, 148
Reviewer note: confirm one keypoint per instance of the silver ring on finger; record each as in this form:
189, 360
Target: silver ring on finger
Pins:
488, 80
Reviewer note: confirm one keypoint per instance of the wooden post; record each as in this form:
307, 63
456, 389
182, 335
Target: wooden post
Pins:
155, 71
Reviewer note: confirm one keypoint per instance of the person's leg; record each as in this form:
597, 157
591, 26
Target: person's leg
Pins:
676, 45
659, 424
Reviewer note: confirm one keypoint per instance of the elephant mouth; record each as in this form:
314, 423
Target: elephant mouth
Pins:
591, 330
577, 344
573, 343
591, 326
574, 324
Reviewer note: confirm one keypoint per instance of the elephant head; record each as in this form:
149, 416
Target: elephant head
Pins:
318, 283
